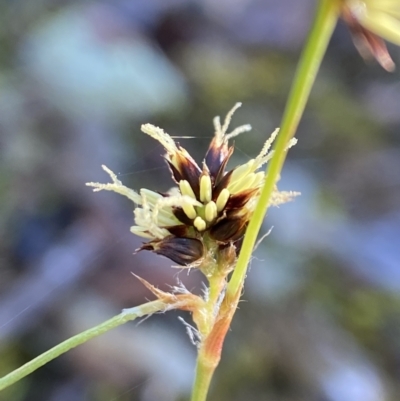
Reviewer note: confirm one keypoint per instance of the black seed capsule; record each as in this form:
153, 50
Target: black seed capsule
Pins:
183, 251
229, 229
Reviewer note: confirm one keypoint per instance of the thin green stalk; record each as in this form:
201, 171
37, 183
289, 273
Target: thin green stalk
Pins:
205, 366
125, 316
210, 349
203, 376
310, 61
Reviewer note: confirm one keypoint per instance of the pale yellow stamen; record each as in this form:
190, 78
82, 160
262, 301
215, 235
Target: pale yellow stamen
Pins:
186, 189
240, 172
258, 179
242, 184
161, 213
199, 223
211, 211
142, 232
222, 199
189, 210
147, 218
251, 180
151, 197
205, 188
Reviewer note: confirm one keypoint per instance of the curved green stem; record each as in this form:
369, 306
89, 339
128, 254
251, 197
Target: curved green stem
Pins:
125, 316
310, 61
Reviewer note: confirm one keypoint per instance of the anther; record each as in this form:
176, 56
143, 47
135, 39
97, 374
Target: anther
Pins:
211, 211
189, 210
222, 199
258, 178
186, 189
205, 188
243, 183
199, 223
243, 171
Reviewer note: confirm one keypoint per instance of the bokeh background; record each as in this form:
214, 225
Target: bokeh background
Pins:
320, 317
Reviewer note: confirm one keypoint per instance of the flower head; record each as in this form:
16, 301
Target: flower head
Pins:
209, 208
371, 21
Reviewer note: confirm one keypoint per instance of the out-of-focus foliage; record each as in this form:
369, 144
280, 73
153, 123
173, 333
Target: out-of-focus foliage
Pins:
320, 319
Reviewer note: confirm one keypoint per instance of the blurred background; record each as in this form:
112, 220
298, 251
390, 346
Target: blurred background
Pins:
320, 317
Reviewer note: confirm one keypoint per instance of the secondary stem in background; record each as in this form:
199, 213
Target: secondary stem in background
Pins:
125, 316
321, 31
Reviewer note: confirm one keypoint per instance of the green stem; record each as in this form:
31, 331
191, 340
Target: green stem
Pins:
209, 352
203, 376
317, 42
125, 316
210, 349
310, 61
206, 364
